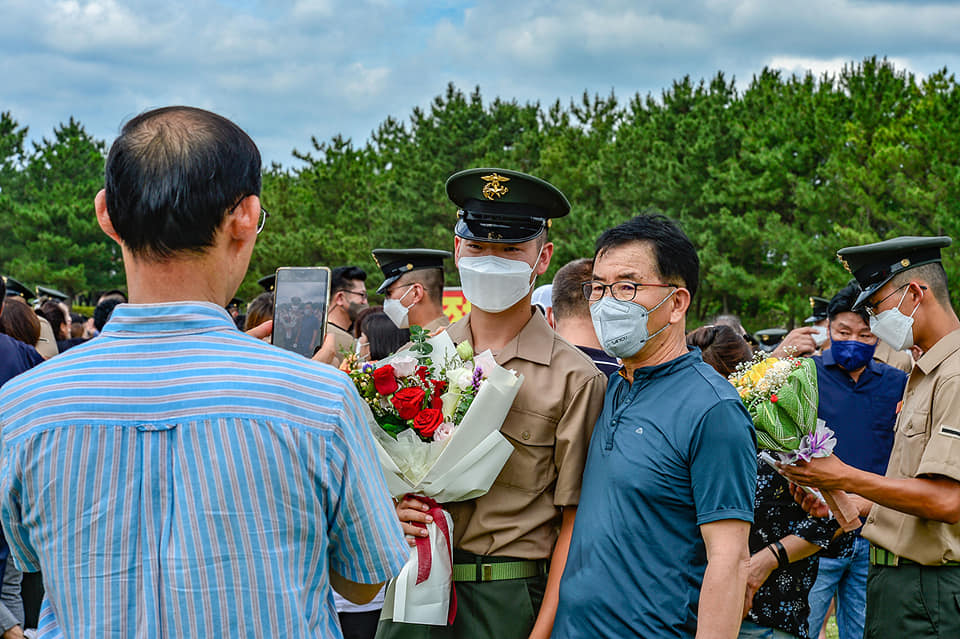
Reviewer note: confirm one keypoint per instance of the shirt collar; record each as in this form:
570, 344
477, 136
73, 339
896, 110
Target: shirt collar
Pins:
946, 346
533, 343
667, 368
167, 320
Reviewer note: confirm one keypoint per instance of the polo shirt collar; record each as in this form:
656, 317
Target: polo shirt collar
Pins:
667, 368
533, 343
948, 345
167, 320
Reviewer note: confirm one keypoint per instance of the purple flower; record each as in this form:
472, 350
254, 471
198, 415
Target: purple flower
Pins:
367, 368
477, 375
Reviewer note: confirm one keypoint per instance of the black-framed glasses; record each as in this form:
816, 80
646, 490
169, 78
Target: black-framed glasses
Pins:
362, 294
624, 291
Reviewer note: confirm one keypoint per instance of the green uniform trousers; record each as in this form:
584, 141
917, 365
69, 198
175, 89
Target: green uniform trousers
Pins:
489, 610
913, 601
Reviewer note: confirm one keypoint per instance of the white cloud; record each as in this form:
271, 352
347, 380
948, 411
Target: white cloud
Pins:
289, 69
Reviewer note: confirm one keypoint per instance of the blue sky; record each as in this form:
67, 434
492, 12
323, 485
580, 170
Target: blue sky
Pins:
287, 70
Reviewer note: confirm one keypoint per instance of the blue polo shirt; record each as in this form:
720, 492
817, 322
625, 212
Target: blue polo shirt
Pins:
861, 413
671, 452
15, 358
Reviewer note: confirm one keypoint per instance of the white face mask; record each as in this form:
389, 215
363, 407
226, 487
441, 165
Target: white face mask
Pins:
396, 311
821, 336
494, 284
893, 327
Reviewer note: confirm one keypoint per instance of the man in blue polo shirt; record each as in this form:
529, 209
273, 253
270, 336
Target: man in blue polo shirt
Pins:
659, 548
858, 400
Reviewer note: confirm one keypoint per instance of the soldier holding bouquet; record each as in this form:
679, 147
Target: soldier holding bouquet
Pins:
510, 545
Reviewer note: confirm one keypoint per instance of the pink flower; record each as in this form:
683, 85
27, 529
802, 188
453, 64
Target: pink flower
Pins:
443, 432
486, 363
403, 365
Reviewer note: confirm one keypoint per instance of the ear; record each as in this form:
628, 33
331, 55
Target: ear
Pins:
417, 294
551, 320
544, 263
679, 303
242, 223
103, 217
456, 250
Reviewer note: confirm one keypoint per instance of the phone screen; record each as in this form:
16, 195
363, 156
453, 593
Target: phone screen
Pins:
301, 297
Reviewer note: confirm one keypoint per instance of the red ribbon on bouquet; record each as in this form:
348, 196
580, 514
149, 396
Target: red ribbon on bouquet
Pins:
423, 549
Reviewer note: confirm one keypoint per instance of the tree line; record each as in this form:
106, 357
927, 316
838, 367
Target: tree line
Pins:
768, 181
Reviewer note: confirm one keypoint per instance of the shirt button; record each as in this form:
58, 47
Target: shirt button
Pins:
525, 435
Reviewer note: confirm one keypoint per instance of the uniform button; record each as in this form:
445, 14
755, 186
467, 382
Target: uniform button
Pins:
525, 435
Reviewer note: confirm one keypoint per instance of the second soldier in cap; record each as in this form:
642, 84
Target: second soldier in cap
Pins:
913, 511
413, 286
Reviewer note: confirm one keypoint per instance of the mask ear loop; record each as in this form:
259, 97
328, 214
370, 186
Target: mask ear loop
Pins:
904, 296
409, 288
659, 304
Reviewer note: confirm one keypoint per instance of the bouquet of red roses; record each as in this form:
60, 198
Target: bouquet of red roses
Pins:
438, 411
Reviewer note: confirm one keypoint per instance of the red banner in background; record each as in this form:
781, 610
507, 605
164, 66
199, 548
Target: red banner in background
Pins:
455, 305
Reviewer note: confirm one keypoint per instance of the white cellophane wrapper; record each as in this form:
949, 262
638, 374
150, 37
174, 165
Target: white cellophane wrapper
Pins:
459, 468
428, 602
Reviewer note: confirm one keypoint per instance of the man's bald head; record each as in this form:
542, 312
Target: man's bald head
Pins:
172, 176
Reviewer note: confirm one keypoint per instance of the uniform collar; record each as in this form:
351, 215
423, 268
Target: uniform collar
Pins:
533, 343
946, 346
167, 320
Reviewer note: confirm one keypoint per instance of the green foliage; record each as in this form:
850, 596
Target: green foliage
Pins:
768, 181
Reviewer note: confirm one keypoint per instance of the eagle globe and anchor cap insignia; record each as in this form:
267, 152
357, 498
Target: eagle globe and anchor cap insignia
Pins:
494, 187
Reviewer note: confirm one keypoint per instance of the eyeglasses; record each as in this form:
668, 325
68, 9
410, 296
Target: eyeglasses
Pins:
362, 294
263, 219
623, 291
872, 308
261, 222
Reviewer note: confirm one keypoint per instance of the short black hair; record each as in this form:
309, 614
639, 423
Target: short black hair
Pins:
843, 302
173, 175
933, 275
101, 314
676, 258
341, 277
3, 290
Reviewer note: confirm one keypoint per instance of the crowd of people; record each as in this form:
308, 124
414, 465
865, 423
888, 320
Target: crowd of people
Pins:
168, 474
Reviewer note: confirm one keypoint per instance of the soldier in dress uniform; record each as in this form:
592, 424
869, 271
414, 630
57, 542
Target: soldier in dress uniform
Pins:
510, 545
413, 286
912, 512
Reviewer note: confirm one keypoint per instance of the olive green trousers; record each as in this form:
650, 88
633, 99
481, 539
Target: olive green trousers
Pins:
490, 610
913, 601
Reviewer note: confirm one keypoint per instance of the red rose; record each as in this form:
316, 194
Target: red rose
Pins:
427, 421
439, 386
408, 401
384, 380
773, 398
422, 372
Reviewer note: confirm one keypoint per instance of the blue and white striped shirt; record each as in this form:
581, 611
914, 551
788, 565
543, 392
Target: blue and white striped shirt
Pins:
175, 477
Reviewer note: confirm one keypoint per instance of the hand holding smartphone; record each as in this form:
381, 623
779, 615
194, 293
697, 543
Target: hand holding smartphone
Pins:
301, 298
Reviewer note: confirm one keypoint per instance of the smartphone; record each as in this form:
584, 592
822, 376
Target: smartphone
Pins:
301, 298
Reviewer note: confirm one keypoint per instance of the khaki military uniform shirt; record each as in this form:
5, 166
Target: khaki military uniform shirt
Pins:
439, 322
898, 359
926, 442
549, 425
